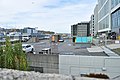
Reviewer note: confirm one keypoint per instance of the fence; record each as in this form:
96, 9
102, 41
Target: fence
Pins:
83, 39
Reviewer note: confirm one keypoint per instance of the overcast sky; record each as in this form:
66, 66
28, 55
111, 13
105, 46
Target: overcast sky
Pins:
53, 15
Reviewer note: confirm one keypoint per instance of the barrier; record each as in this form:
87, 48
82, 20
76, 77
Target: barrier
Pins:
83, 40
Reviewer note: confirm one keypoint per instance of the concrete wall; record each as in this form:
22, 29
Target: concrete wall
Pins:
49, 63
83, 45
77, 65
33, 39
9, 74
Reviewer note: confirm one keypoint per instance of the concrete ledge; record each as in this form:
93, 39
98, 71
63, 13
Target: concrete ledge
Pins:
9, 74
95, 49
113, 46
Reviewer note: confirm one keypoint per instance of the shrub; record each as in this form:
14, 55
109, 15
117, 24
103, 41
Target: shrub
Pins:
103, 76
12, 56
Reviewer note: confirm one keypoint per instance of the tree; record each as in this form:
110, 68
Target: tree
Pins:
20, 57
12, 56
9, 57
2, 58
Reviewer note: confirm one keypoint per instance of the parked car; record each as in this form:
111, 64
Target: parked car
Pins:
27, 48
25, 39
61, 40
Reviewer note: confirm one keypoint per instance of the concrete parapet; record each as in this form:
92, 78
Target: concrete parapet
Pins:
9, 74
48, 63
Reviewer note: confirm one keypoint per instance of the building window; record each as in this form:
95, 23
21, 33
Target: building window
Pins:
104, 23
74, 30
116, 19
104, 10
114, 3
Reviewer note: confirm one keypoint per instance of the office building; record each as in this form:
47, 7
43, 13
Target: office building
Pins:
109, 17
115, 17
29, 30
104, 16
80, 30
96, 20
92, 26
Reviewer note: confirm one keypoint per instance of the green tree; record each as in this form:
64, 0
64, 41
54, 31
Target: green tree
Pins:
12, 56
9, 54
20, 57
2, 58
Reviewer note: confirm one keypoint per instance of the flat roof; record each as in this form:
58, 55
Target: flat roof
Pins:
68, 48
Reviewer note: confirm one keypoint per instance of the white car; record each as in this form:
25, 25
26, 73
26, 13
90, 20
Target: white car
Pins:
27, 48
25, 39
61, 40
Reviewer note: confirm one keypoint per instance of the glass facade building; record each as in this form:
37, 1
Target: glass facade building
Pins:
104, 23
104, 15
109, 17
114, 3
115, 16
103, 9
116, 21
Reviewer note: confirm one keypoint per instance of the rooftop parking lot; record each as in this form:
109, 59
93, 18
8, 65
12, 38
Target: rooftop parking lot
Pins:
65, 48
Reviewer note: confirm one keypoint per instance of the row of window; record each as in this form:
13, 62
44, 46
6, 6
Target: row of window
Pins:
104, 11
101, 2
74, 30
116, 19
114, 3
104, 23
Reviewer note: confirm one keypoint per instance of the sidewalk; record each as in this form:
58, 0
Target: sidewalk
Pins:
113, 46
109, 52
104, 48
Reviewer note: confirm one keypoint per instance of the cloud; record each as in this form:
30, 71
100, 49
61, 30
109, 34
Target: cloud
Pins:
54, 15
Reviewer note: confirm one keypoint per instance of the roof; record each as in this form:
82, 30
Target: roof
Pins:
68, 48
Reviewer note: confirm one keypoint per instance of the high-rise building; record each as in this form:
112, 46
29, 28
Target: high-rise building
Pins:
80, 29
96, 20
115, 17
104, 16
92, 26
109, 17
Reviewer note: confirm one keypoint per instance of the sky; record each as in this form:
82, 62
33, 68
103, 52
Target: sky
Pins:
49, 15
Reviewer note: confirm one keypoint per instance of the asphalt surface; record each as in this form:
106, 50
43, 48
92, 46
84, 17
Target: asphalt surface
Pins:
64, 48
